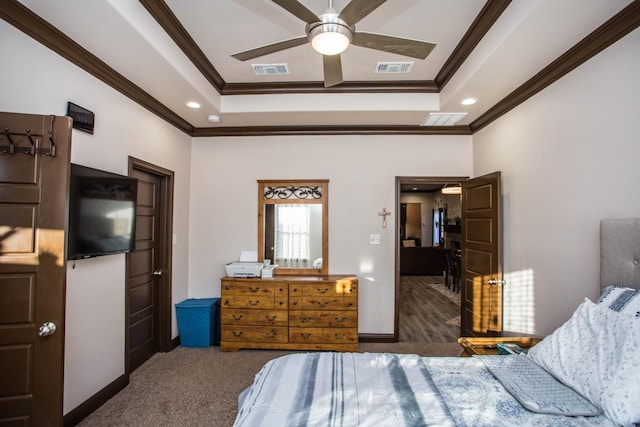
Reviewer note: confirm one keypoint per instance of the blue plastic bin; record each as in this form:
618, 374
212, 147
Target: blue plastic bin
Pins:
198, 322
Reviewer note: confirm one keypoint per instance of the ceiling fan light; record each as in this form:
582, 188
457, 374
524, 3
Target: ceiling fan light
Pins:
330, 38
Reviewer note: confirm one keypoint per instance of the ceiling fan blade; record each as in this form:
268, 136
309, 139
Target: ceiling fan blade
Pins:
358, 9
265, 50
298, 9
332, 70
406, 47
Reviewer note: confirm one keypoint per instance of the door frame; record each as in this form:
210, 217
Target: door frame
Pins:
401, 180
165, 255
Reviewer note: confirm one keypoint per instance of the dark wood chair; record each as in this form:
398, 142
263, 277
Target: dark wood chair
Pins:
454, 270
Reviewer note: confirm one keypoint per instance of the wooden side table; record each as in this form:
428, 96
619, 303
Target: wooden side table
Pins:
488, 345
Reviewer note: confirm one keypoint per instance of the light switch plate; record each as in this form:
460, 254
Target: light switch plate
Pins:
374, 239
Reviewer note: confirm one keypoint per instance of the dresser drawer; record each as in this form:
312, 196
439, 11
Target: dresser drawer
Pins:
254, 301
323, 335
237, 316
317, 303
321, 289
260, 288
324, 319
255, 334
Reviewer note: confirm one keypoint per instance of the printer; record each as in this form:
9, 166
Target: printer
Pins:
248, 266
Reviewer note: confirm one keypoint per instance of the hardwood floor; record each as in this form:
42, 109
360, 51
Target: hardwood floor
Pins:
427, 314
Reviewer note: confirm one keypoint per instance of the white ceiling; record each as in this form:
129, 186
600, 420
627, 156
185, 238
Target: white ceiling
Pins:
527, 36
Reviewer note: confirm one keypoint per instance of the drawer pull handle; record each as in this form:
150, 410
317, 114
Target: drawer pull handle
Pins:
226, 302
305, 336
270, 318
237, 334
254, 290
295, 303
237, 317
227, 287
281, 290
350, 304
321, 291
270, 334
322, 304
281, 303
304, 319
340, 319
339, 336
254, 303
294, 289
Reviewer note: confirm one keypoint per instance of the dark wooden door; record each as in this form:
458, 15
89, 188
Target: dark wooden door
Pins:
34, 180
149, 267
481, 293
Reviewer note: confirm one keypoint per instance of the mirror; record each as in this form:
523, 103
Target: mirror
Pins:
292, 226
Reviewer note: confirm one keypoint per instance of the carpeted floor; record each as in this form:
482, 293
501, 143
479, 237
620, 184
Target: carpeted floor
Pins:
192, 387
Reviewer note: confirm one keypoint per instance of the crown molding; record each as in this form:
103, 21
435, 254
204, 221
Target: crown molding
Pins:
479, 27
163, 15
330, 130
621, 24
37, 28
607, 34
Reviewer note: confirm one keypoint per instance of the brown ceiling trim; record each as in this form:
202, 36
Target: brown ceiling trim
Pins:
31, 24
627, 20
407, 86
330, 130
480, 26
168, 21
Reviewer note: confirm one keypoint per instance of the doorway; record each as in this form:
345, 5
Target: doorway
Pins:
148, 268
425, 310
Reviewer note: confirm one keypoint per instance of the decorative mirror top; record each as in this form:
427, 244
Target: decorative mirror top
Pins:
293, 192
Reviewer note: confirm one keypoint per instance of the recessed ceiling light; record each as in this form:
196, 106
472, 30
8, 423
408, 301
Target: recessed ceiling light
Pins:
468, 101
193, 104
213, 118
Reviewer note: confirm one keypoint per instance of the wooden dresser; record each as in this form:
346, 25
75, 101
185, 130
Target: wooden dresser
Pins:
290, 312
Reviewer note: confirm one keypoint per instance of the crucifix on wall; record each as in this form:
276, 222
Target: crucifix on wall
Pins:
384, 215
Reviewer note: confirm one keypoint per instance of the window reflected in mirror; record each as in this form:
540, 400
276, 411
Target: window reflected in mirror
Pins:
292, 226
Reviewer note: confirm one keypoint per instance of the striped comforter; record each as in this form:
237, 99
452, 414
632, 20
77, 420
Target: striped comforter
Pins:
378, 389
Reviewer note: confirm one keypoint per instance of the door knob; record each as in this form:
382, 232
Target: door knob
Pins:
47, 328
157, 273
496, 282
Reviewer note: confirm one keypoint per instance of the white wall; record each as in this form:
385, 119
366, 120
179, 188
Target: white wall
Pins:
569, 157
38, 81
361, 172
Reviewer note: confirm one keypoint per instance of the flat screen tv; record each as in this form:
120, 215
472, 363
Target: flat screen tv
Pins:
102, 213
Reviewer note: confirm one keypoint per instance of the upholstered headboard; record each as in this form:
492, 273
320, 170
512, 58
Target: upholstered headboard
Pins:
620, 252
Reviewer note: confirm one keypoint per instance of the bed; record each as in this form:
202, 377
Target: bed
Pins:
587, 372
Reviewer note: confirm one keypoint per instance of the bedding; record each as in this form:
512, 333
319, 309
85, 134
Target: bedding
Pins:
595, 353
369, 389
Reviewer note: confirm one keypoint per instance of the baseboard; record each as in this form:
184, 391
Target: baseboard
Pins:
175, 343
83, 410
377, 338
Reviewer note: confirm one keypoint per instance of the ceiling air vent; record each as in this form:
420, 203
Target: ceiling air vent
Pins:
394, 67
443, 119
270, 69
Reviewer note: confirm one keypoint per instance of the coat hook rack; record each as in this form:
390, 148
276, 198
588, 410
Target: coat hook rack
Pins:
384, 215
33, 144
12, 148
52, 150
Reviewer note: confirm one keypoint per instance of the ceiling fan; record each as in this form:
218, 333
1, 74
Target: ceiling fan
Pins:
331, 34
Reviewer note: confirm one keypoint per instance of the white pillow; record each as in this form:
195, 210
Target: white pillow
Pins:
597, 353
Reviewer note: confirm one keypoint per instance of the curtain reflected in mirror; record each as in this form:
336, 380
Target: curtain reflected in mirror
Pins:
297, 235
